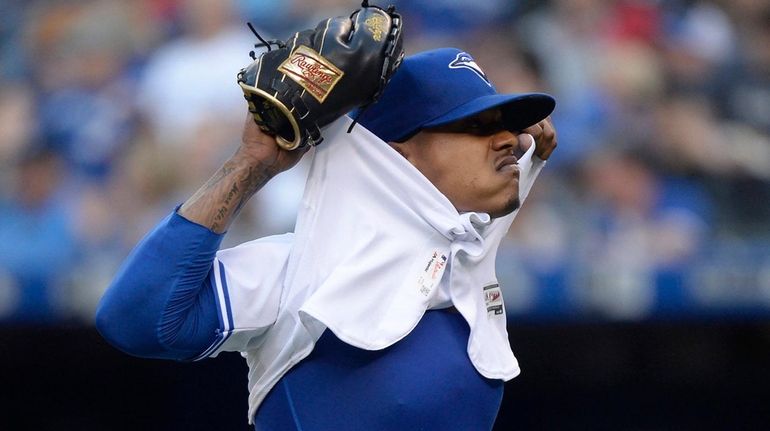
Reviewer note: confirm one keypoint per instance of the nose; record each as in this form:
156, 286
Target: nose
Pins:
517, 144
503, 140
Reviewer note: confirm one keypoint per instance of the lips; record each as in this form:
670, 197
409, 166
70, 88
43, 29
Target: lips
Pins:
507, 161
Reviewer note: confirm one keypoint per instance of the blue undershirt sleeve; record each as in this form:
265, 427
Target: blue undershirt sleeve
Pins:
161, 303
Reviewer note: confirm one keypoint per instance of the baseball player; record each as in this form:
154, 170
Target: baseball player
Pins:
381, 311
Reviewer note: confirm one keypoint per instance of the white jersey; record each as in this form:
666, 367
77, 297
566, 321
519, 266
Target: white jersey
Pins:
375, 246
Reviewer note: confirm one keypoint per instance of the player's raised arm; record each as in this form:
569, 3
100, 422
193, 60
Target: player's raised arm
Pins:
162, 303
256, 161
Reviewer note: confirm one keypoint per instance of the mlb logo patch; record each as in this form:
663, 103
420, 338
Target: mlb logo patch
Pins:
493, 298
464, 60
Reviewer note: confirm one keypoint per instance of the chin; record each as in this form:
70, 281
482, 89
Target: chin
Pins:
511, 206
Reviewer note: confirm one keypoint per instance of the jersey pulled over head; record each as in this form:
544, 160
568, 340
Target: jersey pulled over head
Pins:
440, 86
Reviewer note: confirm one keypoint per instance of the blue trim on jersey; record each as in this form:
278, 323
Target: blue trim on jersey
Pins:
223, 278
214, 347
220, 338
225, 314
215, 286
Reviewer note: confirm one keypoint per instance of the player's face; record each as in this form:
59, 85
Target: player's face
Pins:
473, 162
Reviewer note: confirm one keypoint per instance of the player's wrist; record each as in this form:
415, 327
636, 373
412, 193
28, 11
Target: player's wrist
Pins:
253, 160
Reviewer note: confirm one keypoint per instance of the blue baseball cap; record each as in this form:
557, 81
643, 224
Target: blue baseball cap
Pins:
440, 86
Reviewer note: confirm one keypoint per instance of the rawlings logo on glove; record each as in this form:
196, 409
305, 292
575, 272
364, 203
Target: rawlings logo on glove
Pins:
313, 72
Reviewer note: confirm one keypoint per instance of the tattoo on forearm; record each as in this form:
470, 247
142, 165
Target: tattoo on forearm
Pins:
218, 176
216, 204
255, 180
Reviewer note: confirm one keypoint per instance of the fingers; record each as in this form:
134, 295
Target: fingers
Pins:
549, 132
535, 130
547, 140
252, 132
544, 135
543, 129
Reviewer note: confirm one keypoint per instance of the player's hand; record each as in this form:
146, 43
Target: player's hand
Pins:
545, 138
262, 149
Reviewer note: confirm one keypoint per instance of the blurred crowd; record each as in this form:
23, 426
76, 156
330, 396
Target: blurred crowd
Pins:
657, 200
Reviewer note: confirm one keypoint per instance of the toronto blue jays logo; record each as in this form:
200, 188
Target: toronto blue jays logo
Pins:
464, 60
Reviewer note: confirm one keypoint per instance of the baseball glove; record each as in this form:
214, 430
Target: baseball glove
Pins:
320, 74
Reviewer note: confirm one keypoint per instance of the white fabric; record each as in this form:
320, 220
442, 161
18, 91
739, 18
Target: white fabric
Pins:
375, 245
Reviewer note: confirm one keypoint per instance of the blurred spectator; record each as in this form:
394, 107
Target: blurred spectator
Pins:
638, 224
743, 90
37, 241
17, 127
81, 51
730, 159
189, 84
698, 42
12, 54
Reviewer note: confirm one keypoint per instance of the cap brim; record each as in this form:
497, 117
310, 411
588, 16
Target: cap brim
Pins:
519, 110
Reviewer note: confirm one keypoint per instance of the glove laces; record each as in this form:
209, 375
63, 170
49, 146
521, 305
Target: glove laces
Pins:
264, 43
